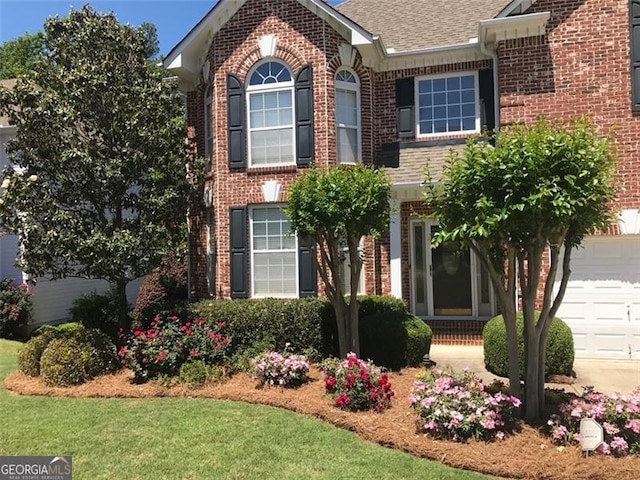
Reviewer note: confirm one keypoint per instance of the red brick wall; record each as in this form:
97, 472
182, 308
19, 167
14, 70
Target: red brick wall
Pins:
303, 38
581, 67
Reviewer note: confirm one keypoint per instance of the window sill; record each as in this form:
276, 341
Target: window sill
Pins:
268, 169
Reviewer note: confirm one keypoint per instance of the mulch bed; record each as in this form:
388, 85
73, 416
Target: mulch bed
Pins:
528, 454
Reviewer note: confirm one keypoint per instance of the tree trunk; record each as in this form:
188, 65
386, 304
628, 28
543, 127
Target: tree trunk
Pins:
342, 321
354, 327
120, 292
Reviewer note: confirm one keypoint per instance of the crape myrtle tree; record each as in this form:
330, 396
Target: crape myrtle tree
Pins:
332, 208
535, 195
98, 186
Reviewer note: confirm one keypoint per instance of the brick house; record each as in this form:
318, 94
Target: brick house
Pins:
273, 85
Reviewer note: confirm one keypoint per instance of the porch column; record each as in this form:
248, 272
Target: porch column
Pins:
395, 251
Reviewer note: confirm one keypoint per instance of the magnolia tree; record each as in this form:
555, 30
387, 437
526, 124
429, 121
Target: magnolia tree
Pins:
533, 197
98, 186
334, 208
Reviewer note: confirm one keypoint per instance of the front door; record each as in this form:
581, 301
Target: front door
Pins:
446, 281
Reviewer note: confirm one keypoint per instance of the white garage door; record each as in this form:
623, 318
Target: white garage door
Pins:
602, 302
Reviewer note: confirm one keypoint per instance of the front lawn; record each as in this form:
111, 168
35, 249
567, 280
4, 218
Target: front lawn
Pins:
166, 438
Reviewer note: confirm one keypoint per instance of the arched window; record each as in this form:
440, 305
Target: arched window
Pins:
348, 129
271, 115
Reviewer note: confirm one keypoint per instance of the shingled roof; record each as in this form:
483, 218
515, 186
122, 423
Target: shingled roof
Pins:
418, 24
4, 121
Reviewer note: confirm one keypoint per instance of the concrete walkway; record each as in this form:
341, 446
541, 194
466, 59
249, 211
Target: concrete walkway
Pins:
606, 376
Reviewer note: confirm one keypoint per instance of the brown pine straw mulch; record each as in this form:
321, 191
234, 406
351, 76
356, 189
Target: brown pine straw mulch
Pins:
527, 454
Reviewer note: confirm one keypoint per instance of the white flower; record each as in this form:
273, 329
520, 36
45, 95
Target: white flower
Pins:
5, 183
32, 179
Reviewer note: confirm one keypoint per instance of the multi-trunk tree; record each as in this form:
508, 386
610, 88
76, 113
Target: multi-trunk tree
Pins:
98, 185
334, 208
522, 207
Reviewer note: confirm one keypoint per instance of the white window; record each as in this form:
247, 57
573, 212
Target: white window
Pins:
273, 254
208, 126
348, 117
345, 270
447, 104
271, 118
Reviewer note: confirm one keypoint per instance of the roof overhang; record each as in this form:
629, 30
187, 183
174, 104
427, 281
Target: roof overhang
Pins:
464, 52
187, 58
490, 32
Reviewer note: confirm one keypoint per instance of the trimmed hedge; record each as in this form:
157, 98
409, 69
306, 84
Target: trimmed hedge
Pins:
560, 349
394, 339
310, 324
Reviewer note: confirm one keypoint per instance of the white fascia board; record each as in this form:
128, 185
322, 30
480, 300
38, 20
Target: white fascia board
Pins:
509, 28
359, 36
462, 52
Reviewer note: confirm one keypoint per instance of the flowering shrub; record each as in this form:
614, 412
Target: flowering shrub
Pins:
618, 414
15, 306
285, 369
457, 407
168, 343
357, 384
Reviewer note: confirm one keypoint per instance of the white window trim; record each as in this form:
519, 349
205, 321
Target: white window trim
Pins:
208, 129
273, 87
252, 253
476, 87
354, 87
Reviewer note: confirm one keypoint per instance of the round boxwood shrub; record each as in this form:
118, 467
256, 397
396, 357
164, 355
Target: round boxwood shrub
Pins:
74, 359
30, 353
560, 350
394, 339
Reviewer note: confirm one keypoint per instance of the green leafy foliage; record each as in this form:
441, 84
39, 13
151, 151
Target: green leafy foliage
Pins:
18, 56
560, 348
337, 207
197, 373
97, 310
101, 190
30, 353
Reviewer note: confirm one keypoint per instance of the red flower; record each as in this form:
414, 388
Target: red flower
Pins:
330, 383
138, 333
343, 400
194, 353
123, 351
161, 356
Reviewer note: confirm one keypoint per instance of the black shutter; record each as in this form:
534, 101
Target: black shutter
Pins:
405, 104
487, 100
307, 274
236, 117
239, 272
304, 117
634, 15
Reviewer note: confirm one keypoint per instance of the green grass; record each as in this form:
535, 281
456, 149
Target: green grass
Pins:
167, 438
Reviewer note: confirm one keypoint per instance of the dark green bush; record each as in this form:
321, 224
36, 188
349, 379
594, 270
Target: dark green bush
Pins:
95, 354
560, 350
97, 310
372, 304
394, 339
278, 321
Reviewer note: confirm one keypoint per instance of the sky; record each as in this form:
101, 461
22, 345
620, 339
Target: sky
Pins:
173, 18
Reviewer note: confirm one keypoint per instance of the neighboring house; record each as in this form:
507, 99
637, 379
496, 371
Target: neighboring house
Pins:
51, 299
273, 85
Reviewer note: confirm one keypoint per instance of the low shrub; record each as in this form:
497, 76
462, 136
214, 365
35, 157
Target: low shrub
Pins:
277, 321
30, 353
394, 339
372, 304
74, 359
457, 407
162, 291
618, 414
169, 343
15, 307
97, 310
284, 369
357, 385
560, 349
196, 374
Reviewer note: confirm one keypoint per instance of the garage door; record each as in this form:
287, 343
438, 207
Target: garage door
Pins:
602, 301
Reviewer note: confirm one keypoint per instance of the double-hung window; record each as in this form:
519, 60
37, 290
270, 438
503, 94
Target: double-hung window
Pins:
447, 104
273, 254
271, 115
348, 116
